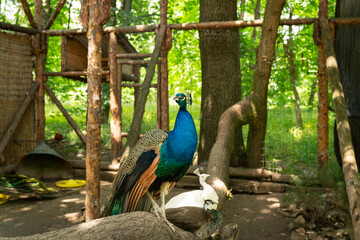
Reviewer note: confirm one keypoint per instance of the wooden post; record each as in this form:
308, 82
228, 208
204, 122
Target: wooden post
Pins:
164, 94
39, 70
158, 98
323, 117
94, 14
115, 126
343, 128
15, 121
65, 113
119, 83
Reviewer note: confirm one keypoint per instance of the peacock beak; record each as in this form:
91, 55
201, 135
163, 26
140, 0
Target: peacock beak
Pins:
176, 98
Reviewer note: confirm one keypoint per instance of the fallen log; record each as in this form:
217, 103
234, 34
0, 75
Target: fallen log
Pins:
135, 225
104, 175
251, 186
103, 165
253, 173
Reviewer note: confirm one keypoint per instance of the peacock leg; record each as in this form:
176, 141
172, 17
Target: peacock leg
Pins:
158, 211
164, 190
155, 206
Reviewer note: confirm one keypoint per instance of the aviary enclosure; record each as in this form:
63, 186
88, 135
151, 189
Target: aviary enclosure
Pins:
119, 62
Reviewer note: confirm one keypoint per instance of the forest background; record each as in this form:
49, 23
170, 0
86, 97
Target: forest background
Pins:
290, 145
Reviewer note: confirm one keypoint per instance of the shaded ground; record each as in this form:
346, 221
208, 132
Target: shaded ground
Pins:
256, 215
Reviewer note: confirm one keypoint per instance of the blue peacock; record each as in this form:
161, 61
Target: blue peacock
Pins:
158, 160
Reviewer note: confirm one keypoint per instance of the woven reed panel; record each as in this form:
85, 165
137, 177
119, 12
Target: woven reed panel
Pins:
15, 81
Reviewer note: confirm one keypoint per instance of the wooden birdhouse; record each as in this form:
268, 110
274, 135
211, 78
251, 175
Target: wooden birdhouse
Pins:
74, 50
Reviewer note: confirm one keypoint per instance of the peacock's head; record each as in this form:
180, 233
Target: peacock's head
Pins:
180, 99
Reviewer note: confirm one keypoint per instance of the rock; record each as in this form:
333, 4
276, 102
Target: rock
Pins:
297, 236
300, 230
342, 232
298, 222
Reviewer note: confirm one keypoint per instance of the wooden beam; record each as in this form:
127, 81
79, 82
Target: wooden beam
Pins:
58, 8
133, 62
207, 25
28, 14
15, 121
345, 21
132, 29
65, 113
135, 127
72, 73
343, 128
16, 28
115, 95
133, 55
63, 32
137, 85
237, 24
164, 91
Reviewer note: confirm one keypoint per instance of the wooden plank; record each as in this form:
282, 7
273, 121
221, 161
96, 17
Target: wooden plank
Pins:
65, 113
16, 120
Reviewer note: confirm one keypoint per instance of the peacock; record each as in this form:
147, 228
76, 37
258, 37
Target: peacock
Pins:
158, 160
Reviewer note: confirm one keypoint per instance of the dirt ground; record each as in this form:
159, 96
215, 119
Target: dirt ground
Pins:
256, 215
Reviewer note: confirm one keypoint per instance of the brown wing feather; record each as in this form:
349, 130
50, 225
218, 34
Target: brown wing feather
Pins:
142, 185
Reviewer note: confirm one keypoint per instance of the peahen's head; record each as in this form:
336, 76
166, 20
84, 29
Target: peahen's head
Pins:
180, 99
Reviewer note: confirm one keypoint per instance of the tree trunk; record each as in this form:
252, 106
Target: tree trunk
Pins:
293, 74
105, 109
323, 116
220, 63
242, 9
256, 17
347, 53
126, 5
312, 94
264, 57
252, 110
39, 70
